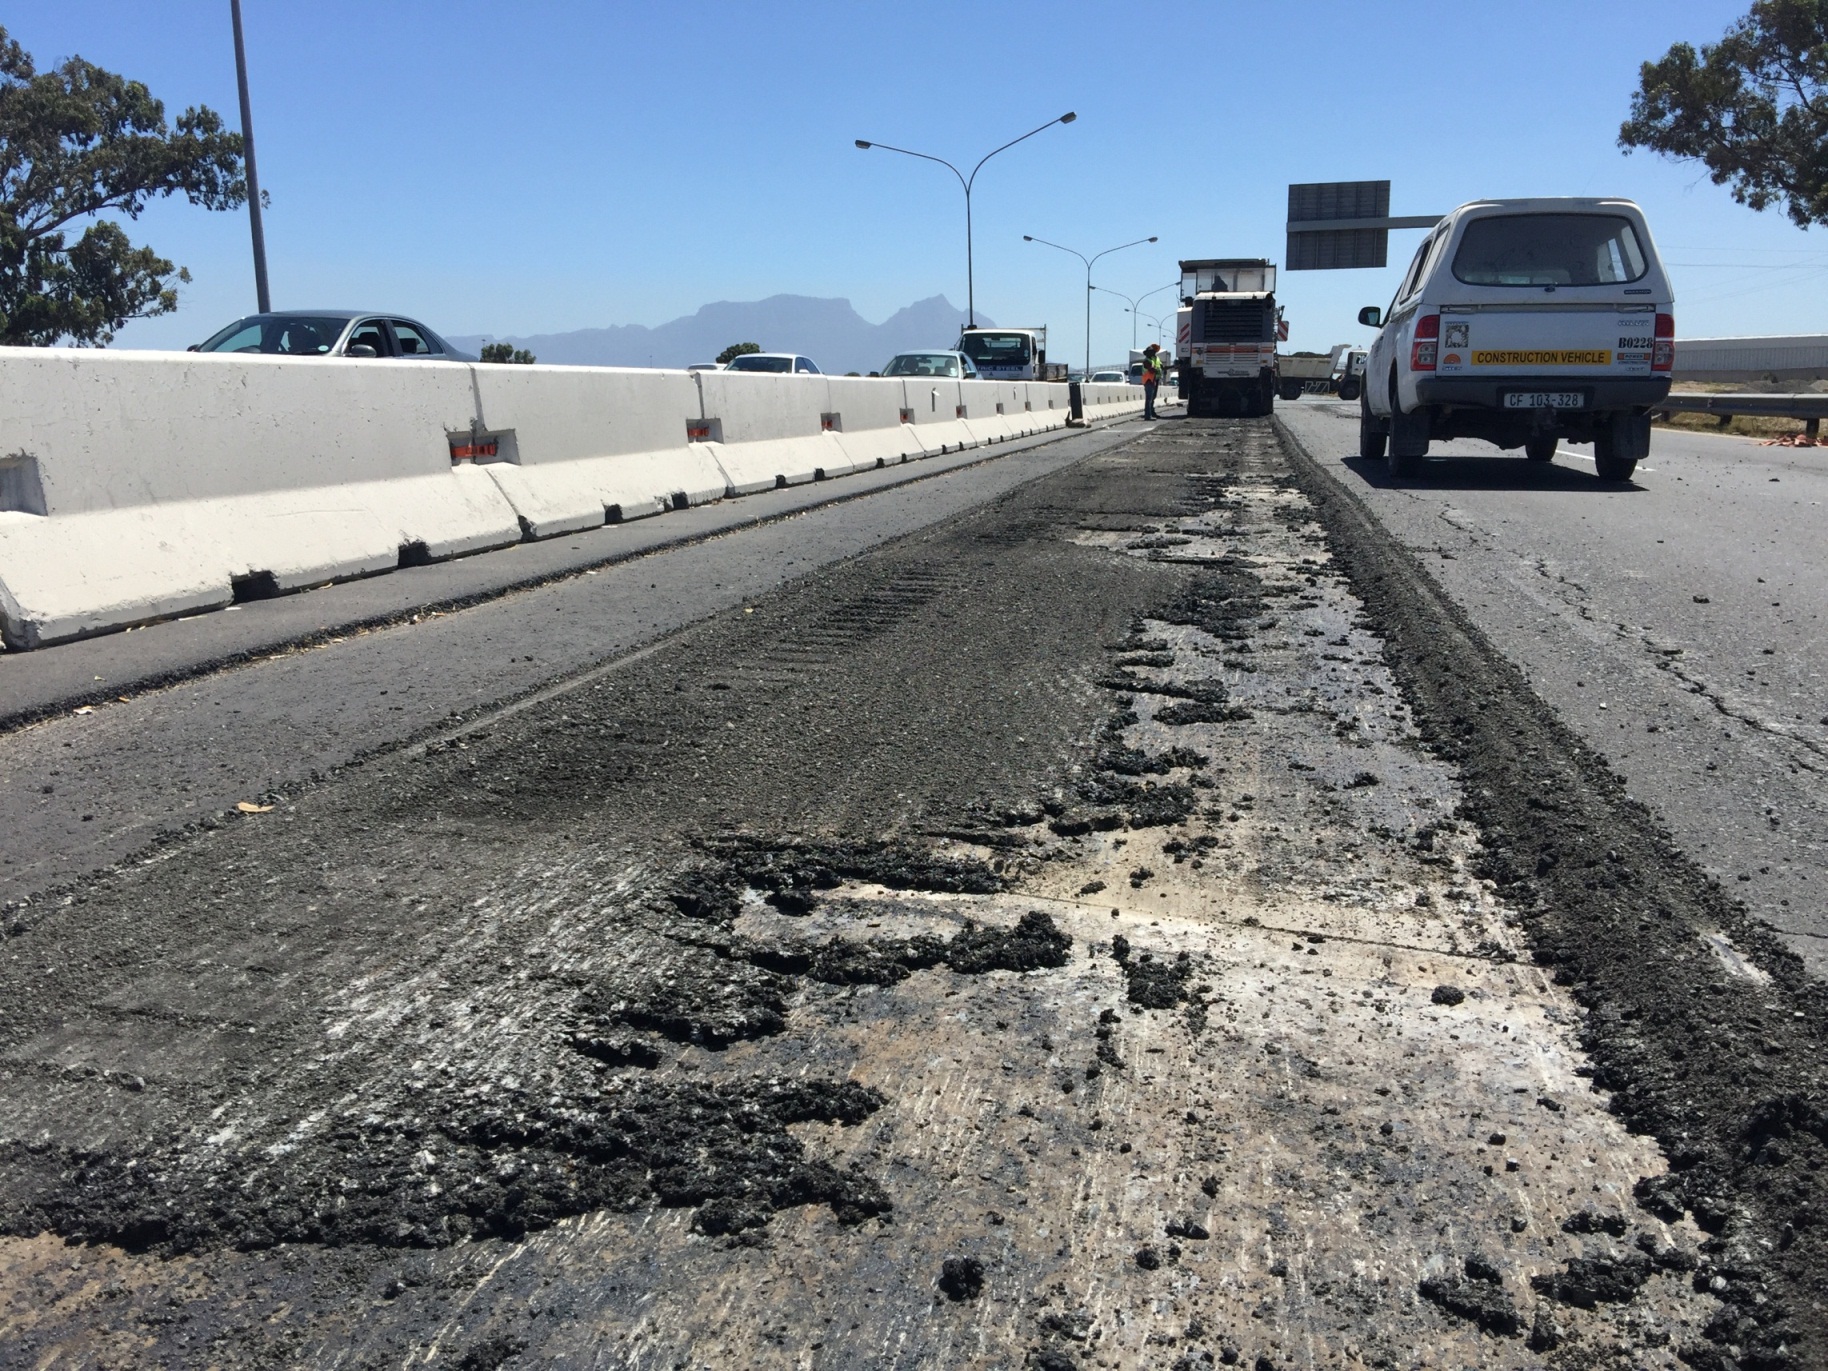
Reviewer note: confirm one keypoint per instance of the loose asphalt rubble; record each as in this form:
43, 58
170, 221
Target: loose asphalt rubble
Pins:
1132, 925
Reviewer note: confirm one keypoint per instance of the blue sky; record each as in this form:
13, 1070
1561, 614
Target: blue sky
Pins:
521, 168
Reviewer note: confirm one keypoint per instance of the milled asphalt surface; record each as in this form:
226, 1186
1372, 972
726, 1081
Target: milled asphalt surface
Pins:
37, 684
79, 791
1676, 623
890, 968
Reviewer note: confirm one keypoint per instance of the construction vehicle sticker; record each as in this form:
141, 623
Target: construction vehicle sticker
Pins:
1596, 357
1457, 335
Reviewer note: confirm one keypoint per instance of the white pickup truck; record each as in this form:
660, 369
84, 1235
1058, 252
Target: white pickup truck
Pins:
1523, 323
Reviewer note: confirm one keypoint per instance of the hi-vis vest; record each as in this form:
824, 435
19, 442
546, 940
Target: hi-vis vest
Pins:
1152, 369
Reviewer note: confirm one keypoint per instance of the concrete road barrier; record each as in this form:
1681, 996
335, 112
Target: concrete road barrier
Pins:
577, 447
865, 420
933, 406
767, 431
140, 485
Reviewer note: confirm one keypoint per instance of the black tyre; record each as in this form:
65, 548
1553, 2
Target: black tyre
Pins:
1541, 449
1607, 464
1408, 437
1370, 432
1291, 390
1617, 446
1349, 390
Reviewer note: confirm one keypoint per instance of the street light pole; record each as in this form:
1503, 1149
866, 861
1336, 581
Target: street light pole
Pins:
1172, 285
1131, 311
247, 152
965, 181
1030, 238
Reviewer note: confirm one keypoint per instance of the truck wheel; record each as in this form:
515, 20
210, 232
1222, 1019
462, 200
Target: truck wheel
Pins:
1370, 432
1291, 390
1619, 444
1408, 437
1349, 390
1541, 449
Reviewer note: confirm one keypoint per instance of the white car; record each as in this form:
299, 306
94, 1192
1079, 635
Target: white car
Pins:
952, 365
1112, 378
1523, 323
784, 363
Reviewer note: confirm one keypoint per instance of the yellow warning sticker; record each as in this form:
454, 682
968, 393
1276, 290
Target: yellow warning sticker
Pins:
1600, 357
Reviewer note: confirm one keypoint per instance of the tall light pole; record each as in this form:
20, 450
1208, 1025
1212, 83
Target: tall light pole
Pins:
1130, 310
1030, 238
247, 152
1172, 285
967, 182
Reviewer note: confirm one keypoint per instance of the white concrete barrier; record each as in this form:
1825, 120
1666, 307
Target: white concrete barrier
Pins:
766, 430
145, 484
867, 422
141, 485
933, 405
577, 447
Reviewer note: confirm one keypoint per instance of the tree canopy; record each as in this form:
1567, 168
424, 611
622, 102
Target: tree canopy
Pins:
75, 143
1753, 108
736, 350
507, 352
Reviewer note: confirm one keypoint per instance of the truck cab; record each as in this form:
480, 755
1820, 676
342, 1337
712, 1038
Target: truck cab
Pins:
1523, 323
1228, 354
1008, 354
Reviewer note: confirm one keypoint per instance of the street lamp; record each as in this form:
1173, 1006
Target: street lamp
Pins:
1172, 285
261, 297
1030, 238
967, 182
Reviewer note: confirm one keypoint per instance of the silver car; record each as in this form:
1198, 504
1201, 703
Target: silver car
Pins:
954, 365
783, 362
333, 333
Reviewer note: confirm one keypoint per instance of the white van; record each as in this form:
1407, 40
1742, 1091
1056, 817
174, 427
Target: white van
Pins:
1523, 322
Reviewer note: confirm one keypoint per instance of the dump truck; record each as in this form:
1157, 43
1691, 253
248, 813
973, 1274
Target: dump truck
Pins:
1338, 372
1227, 342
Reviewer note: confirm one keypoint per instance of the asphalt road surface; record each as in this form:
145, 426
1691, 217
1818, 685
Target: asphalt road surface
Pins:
1679, 623
1108, 906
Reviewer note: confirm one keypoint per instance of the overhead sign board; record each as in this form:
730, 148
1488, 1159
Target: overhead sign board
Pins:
1340, 225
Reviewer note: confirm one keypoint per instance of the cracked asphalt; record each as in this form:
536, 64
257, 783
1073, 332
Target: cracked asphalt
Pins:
1679, 624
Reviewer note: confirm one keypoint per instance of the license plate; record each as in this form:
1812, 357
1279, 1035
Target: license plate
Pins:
1545, 399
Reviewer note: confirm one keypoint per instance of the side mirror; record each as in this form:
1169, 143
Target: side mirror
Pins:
194, 347
1371, 317
365, 350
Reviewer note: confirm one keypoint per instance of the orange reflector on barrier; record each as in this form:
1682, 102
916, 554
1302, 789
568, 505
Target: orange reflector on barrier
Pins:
468, 452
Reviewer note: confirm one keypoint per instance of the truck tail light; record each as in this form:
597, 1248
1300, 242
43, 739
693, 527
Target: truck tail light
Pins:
1427, 342
1663, 356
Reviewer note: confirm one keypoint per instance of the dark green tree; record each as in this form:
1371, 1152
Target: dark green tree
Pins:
736, 350
507, 352
1753, 108
79, 142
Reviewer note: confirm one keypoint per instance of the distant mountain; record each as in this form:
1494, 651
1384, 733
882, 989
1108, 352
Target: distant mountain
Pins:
829, 331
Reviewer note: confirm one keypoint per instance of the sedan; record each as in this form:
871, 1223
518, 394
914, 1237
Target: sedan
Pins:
951, 364
333, 333
774, 361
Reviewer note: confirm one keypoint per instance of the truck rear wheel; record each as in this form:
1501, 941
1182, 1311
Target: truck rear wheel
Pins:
1370, 432
1408, 437
1619, 444
1291, 390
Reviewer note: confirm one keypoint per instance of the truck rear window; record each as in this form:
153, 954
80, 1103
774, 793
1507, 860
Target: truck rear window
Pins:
1549, 250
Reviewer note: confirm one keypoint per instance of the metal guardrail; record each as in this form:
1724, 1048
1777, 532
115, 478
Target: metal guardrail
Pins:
1811, 408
